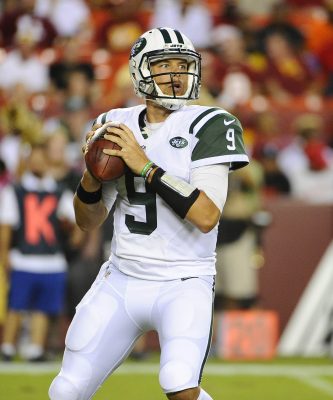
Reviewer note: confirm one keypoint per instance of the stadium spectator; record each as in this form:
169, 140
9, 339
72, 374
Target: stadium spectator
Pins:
121, 93
319, 35
22, 14
116, 25
5, 177
68, 17
31, 212
210, 84
276, 183
81, 84
123, 24
22, 65
70, 61
19, 127
267, 132
74, 122
242, 16
83, 250
72, 73
237, 10
231, 13
4, 181
293, 158
238, 252
239, 73
269, 138
280, 23
288, 73
187, 16
59, 162
308, 161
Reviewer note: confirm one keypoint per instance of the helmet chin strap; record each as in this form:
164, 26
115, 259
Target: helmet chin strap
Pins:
170, 104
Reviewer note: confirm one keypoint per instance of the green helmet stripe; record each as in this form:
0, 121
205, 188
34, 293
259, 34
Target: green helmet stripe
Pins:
199, 118
166, 35
179, 36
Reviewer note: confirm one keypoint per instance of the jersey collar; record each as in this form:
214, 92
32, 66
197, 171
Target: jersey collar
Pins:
142, 123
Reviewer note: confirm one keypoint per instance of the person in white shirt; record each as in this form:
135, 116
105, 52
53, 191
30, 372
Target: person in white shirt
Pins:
22, 66
31, 216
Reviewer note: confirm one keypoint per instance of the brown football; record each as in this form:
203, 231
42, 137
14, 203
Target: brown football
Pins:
102, 166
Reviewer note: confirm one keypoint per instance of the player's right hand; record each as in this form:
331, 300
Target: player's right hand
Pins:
131, 152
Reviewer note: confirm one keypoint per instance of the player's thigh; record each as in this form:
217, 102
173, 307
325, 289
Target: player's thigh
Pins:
184, 328
100, 336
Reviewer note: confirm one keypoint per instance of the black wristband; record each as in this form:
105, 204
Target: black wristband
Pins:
177, 201
88, 197
149, 171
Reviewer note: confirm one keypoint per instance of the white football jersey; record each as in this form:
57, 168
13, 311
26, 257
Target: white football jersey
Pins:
150, 241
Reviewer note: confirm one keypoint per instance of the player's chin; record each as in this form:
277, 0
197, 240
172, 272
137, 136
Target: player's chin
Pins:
174, 92
179, 93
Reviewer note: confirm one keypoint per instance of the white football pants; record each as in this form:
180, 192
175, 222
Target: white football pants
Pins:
118, 309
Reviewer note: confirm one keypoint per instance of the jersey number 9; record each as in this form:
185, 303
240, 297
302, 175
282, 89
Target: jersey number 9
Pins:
147, 199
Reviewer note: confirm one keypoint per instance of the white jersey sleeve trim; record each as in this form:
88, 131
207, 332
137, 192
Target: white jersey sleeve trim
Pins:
223, 159
202, 122
213, 180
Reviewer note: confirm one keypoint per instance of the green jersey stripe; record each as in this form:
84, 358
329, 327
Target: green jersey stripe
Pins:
209, 340
216, 117
216, 140
103, 119
200, 117
166, 35
208, 123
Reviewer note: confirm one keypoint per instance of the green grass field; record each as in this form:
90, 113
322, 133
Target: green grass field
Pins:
282, 379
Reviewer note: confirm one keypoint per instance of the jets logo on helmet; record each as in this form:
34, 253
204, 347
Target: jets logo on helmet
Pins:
158, 44
138, 46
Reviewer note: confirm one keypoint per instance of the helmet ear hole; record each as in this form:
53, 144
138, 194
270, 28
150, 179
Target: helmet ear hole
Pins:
164, 43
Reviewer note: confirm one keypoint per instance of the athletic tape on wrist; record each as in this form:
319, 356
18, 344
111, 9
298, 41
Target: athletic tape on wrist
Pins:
178, 194
88, 197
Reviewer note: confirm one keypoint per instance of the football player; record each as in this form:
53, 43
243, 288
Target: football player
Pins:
160, 274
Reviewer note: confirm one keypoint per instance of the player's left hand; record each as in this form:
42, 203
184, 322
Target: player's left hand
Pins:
131, 152
89, 135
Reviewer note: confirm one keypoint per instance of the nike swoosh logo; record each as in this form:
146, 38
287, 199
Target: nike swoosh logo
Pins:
229, 122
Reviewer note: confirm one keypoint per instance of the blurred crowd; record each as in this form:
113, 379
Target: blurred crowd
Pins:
63, 62
270, 62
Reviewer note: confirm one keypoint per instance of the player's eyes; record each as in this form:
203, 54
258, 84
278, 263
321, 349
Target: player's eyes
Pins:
162, 65
181, 67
